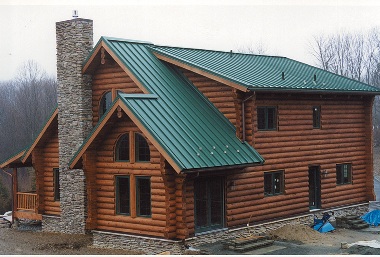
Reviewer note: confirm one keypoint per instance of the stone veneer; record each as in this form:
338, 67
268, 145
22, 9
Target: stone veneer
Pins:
155, 246
74, 43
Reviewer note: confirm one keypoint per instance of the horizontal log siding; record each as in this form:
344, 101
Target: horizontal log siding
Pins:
107, 77
295, 146
46, 159
222, 96
107, 169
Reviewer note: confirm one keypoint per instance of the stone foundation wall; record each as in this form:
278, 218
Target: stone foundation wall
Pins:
156, 246
51, 223
147, 245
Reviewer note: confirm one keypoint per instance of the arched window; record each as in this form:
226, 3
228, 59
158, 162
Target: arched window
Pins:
122, 148
142, 152
105, 103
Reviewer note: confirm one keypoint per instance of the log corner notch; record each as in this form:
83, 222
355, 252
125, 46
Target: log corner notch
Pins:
369, 149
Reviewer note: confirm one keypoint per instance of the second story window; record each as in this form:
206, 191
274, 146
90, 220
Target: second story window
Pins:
267, 118
142, 152
122, 148
316, 117
105, 103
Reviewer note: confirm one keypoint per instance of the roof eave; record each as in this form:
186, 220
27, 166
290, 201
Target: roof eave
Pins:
312, 91
220, 168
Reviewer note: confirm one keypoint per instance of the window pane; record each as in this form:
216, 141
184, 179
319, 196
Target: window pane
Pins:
143, 197
56, 184
142, 149
316, 117
268, 184
261, 118
271, 118
277, 183
200, 189
122, 148
216, 201
105, 103
123, 195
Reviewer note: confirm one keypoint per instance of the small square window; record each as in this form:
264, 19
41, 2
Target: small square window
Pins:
267, 118
343, 174
316, 117
273, 183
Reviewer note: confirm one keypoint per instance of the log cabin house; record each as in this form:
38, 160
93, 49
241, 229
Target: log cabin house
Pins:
184, 142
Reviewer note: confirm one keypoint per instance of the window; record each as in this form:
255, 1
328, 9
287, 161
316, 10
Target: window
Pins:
343, 174
56, 184
267, 118
316, 117
105, 103
142, 152
122, 148
273, 183
143, 203
122, 195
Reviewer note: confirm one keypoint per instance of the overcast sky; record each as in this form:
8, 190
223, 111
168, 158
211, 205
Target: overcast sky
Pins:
284, 27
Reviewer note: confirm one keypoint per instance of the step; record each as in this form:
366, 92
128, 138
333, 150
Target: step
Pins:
360, 226
354, 222
232, 244
253, 246
350, 217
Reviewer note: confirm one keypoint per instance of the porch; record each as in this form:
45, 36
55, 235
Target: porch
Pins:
26, 206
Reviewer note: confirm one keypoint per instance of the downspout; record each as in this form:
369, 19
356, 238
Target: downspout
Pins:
243, 112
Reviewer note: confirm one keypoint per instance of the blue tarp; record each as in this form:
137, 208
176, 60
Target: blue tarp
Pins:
372, 217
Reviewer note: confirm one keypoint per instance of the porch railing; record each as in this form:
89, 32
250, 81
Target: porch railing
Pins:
27, 201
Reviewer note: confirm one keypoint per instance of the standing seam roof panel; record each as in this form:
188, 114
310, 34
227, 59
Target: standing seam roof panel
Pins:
164, 82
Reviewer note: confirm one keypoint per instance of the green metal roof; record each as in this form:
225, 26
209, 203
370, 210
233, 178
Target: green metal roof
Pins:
258, 72
194, 133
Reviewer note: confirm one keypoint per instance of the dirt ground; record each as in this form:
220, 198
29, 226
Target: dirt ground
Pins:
18, 242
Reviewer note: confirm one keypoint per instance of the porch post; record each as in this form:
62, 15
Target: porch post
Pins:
15, 189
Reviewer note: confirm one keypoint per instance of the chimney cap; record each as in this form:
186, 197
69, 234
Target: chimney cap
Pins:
75, 14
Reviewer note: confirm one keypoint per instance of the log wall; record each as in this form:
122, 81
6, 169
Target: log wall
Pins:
108, 77
296, 145
46, 159
222, 96
107, 169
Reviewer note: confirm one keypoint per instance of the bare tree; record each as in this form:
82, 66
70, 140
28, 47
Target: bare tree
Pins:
354, 55
27, 102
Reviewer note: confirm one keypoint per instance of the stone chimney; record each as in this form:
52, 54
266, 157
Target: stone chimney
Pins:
74, 43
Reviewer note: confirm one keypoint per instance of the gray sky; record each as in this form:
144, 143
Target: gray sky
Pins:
284, 27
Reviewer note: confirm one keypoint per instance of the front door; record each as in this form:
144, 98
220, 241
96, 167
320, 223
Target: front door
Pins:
209, 203
314, 187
